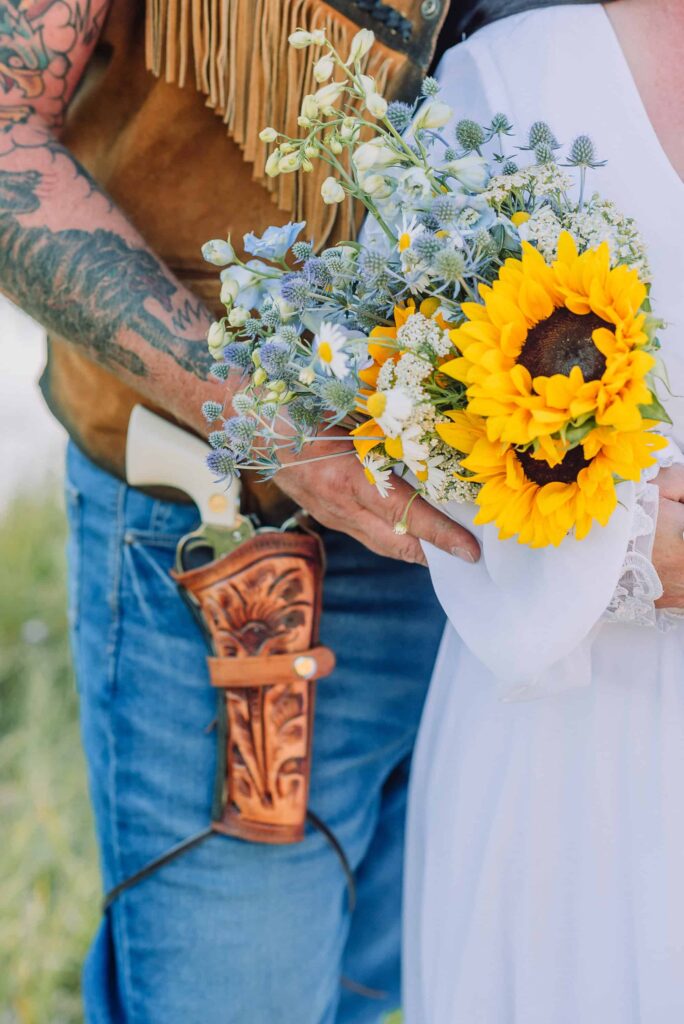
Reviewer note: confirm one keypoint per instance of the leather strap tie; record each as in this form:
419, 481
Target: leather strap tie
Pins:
271, 669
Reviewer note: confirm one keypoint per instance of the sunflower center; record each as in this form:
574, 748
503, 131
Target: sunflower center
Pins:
562, 341
566, 472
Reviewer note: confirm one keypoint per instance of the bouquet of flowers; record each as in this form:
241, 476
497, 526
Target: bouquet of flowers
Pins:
490, 332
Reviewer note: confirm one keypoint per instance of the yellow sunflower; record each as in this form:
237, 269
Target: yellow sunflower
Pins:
525, 496
555, 345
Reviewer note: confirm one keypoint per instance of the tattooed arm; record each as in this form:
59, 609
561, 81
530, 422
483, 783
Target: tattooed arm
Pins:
67, 255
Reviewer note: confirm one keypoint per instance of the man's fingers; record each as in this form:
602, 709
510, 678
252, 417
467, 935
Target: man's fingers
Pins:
423, 521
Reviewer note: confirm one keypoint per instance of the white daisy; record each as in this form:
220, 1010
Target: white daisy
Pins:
390, 409
408, 231
377, 474
330, 349
409, 450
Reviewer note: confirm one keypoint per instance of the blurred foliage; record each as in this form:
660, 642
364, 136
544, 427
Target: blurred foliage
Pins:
49, 894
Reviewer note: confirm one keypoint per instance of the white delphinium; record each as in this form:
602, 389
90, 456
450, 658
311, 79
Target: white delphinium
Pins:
377, 474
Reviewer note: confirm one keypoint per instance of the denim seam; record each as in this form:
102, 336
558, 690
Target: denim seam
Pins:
112, 656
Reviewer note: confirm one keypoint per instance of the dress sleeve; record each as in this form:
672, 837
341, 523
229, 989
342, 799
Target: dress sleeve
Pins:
639, 586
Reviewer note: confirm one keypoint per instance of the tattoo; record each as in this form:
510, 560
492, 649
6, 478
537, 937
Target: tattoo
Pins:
38, 42
66, 255
88, 286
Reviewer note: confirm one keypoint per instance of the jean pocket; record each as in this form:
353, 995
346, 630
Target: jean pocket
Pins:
74, 512
150, 594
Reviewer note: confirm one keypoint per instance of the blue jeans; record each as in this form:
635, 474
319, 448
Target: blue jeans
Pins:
233, 932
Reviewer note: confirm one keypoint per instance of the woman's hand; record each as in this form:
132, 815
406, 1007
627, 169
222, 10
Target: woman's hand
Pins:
668, 549
335, 491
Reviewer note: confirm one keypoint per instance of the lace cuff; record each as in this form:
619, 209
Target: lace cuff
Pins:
639, 586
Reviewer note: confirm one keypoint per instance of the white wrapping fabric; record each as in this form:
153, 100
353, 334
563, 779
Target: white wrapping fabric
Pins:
543, 881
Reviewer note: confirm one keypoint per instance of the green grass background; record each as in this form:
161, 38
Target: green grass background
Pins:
49, 883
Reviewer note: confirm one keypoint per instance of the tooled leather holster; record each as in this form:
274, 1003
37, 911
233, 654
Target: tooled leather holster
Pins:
260, 607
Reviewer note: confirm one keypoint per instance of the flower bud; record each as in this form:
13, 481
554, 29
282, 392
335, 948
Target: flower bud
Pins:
310, 105
216, 338
328, 95
335, 145
311, 152
376, 105
259, 377
377, 186
288, 163
332, 191
307, 376
272, 165
306, 165
318, 37
268, 134
300, 39
218, 252
374, 154
323, 69
229, 291
433, 115
237, 316
360, 45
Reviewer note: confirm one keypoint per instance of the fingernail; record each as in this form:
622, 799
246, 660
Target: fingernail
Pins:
465, 554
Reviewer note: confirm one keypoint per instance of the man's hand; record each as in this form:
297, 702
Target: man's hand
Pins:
668, 549
335, 491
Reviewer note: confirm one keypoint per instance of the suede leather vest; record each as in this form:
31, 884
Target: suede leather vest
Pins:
166, 120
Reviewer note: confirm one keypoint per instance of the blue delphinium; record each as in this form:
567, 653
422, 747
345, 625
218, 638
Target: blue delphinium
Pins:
275, 241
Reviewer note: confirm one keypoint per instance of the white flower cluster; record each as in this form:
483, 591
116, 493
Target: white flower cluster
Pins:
421, 334
601, 221
540, 180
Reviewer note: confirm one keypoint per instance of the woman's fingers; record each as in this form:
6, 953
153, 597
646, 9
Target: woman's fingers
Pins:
670, 481
668, 552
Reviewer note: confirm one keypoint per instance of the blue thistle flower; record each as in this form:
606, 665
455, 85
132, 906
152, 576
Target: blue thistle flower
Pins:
337, 396
218, 439
544, 154
222, 462
445, 210
304, 412
469, 135
399, 115
238, 354
302, 250
275, 359
240, 430
316, 272
510, 167
430, 87
211, 410
583, 153
252, 327
450, 265
500, 125
220, 370
270, 314
427, 246
372, 264
540, 134
296, 290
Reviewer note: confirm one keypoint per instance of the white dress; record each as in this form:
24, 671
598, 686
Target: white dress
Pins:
545, 853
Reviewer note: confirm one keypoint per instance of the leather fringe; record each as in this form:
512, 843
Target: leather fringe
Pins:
238, 54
